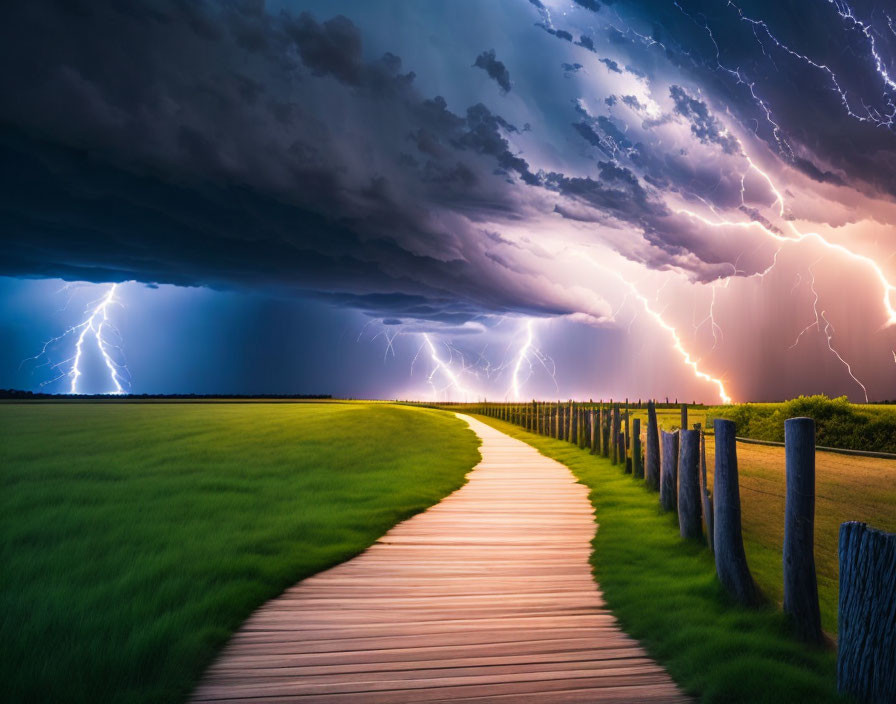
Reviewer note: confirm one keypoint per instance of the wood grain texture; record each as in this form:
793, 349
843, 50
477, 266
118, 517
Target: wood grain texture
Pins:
487, 596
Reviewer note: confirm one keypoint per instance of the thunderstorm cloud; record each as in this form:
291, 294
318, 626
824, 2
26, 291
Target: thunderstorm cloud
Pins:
319, 152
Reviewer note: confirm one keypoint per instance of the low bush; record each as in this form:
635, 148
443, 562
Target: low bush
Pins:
839, 423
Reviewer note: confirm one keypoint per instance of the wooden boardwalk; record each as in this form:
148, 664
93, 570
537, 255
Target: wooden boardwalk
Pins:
487, 596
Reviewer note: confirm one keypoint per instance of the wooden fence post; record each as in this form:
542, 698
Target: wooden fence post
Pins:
684, 416
614, 433
731, 561
605, 432
652, 451
594, 434
669, 471
580, 427
800, 582
704, 492
689, 522
627, 442
637, 459
866, 639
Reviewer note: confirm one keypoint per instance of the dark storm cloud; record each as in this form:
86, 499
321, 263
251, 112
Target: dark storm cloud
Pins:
592, 5
704, 126
815, 90
331, 48
223, 146
559, 33
586, 42
593, 138
494, 68
612, 65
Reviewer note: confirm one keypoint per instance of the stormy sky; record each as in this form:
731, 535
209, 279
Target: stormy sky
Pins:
456, 199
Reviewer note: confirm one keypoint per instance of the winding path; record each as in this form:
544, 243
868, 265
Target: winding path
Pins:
486, 596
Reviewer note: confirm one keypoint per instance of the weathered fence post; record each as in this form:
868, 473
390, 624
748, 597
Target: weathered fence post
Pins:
611, 434
689, 522
614, 431
637, 460
652, 453
704, 492
605, 431
684, 416
800, 582
669, 471
731, 561
580, 432
866, 642
627, 442
594, 436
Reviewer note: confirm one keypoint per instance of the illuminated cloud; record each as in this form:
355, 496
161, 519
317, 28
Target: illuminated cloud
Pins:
717, 158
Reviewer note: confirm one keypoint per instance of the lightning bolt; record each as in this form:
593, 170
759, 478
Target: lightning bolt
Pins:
845, 12
710, 318
445, 368
97, 328
522, 356
529, 354
827, 330
888, 288
677, 344
798, 236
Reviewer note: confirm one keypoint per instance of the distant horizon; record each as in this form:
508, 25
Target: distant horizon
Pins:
450, 200
11, 394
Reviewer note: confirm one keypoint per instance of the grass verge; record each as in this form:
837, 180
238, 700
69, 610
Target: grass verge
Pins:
847, 488
664, 592
137, 537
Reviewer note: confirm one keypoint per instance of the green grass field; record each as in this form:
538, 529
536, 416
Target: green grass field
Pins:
848, 488
665, 593
137, 537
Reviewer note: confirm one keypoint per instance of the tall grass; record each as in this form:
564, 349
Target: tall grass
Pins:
136, 538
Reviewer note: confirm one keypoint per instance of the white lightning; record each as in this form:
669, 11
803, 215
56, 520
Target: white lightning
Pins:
677, 344
888, 288
525, 362
827, 330
845, 12
98, 329
522, 356
717, 335
445, 368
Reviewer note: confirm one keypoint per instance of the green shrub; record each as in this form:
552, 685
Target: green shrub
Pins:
838, 422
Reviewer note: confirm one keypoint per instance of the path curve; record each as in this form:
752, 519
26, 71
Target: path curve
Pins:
486, 596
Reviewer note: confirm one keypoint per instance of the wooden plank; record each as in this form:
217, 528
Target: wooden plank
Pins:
486, 596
